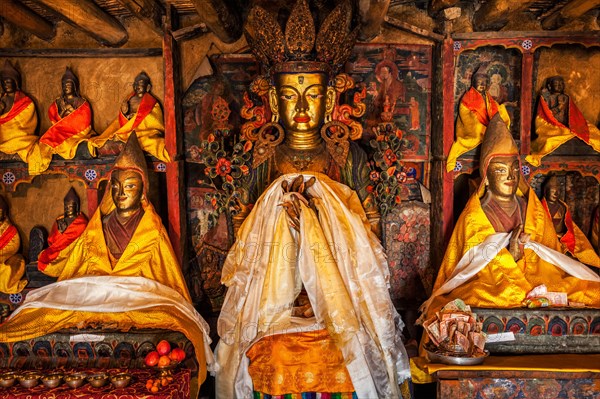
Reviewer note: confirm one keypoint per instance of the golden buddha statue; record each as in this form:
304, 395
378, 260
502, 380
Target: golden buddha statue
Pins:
12, 264
18, 121
139, 112
572, 239
314, 305
71, 117
66, 229
120, 273
504, 243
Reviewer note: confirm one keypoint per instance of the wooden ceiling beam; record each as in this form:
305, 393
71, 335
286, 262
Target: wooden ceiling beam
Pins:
436, 6
572, 10
23, 17
372, 14
150, 12
90, 18
495, 14
223, 21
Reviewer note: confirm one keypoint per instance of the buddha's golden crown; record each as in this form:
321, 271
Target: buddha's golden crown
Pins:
300, 48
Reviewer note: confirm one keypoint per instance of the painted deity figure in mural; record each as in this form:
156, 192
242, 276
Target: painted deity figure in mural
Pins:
71, 118
12, 264
558, 120
120, 272
288, 307
572, 239
504, 243
18, 121
477, 107
66, 229
390, 89
139, 112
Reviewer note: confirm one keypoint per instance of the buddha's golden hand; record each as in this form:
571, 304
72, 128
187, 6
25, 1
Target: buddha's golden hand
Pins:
517, 241
297, 193
125, 107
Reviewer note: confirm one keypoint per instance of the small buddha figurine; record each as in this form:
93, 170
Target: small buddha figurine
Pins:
572, 239
71, 117
311, 288
499, 248
139, 112
477, 107
120, 273
559, 120
12, 264
18, 120
65, 230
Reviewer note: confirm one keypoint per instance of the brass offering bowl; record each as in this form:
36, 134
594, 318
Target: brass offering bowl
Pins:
166, 371
75, 380
7, 379
98, 380
29, 379
52, 380
120, 380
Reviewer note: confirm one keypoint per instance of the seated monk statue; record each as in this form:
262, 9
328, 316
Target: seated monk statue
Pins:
477, 107
66, 229
12, 264
312, 312
121, 273
572, 239
557, 121
504, 243
139, 112
18, 121
71, 117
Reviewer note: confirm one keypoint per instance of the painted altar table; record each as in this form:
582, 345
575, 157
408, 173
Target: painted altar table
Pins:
556, 376
179, 388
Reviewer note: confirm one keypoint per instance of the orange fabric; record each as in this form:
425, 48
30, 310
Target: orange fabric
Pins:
20, 103
7, 236
577, 123
64, 128
58, 241
298, 362
145, 107
485, 110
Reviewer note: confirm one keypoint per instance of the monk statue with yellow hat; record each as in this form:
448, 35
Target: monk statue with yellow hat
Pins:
504, 243
311, 312
139, 112
121, 272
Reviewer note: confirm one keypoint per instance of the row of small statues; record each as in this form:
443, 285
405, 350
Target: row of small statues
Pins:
71, 117
557, 120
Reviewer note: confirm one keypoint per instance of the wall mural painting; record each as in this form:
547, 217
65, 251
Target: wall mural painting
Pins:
394, 86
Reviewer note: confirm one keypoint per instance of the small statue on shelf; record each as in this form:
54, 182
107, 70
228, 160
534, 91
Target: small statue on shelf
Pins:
139, 112
572, 239
71, 117
12, 264
66, 229
557, 121
477, 107
18, 121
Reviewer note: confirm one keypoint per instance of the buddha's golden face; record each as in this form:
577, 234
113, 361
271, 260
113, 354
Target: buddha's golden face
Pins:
126, 190
503, 174
301, 100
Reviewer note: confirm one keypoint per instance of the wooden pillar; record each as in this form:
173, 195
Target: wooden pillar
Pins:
92, 200
526, 104
442, 137
175, 186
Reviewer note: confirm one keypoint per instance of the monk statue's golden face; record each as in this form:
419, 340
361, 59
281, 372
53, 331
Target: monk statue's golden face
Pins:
552, 191
71, 209
503, 174
301, 100
127, 188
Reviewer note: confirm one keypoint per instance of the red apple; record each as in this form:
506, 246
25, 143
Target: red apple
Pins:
177, 355
152, 359
163, 348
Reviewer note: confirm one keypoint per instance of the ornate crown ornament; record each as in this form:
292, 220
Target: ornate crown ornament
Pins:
301, 49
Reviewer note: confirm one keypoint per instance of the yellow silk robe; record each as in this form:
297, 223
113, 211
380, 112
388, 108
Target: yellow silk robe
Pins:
504, 283
12, 265
149, 254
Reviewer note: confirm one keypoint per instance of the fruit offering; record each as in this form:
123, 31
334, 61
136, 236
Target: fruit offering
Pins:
164, 356
154, 385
